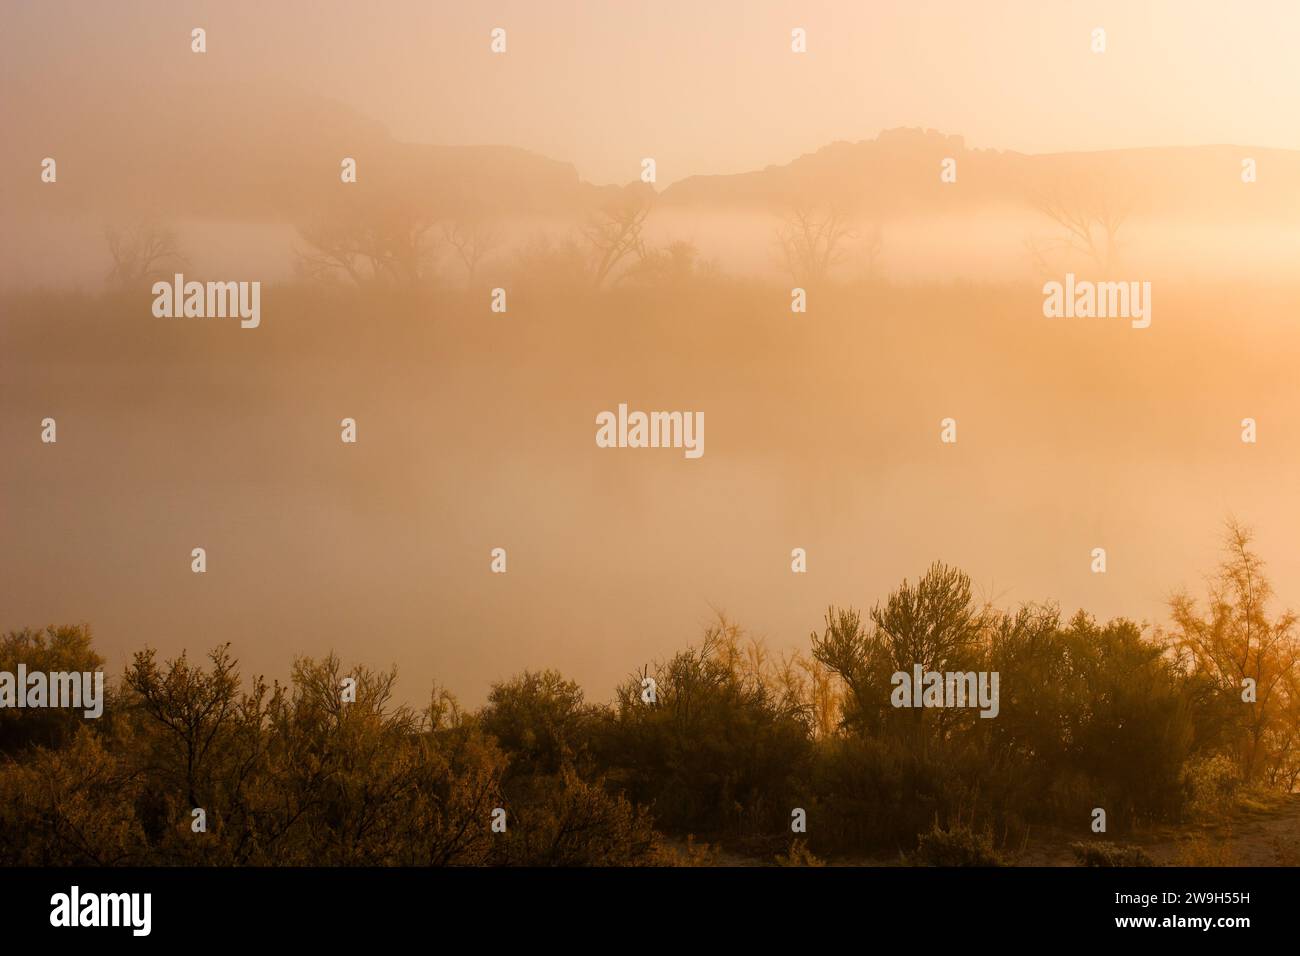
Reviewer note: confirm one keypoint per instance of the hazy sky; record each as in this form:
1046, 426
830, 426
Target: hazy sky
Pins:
713, 87
822, 433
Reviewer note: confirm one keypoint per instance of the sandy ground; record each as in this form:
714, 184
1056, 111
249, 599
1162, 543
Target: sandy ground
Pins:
1254, 835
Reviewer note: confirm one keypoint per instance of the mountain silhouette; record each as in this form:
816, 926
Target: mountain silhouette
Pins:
254, 153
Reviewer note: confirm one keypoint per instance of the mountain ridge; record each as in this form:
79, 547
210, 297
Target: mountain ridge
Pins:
272, 155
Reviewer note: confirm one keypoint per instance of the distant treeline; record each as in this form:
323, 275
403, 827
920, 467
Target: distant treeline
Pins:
718, 746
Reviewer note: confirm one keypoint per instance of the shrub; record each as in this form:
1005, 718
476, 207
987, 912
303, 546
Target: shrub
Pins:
958, 846
576, 823
1212, 785
1102, 853
799, 855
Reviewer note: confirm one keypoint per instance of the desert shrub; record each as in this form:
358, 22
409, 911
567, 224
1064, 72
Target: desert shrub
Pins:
1088, 714
958, 846
55, 649
799, 855
1090, 709
691, 852
540, 720
70, 807
719, 752
1206, 849
572, 822
1102, 853
1235, 637
1212, 784
300, 775
875, 794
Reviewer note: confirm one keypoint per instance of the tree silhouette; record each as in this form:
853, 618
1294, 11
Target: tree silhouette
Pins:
813, 240
614, 231
471, 237
381, 243
142, 253
1091, 213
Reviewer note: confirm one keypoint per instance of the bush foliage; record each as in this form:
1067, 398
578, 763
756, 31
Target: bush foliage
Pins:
1153, 727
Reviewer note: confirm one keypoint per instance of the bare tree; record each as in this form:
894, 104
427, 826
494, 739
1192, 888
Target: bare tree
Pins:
812, 241
332, 250
1092, 214
142, 252
615, 231
471, 237
388, 245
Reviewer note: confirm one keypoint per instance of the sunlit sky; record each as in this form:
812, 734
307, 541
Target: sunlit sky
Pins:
1073, 436
713, 87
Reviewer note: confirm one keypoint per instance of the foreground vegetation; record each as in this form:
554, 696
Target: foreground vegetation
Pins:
1151, 727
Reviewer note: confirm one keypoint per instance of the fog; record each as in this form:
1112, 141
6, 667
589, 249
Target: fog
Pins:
476, 429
